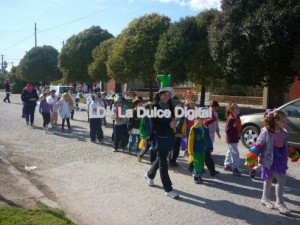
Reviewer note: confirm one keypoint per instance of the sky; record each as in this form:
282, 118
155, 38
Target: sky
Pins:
57, 20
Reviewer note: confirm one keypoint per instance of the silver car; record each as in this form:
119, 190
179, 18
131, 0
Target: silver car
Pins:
251, 124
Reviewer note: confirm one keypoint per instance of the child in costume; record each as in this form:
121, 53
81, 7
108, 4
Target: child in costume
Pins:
120, 127
273, 150
198, 143
213, 128
233, 133
179, 132
145, 135
134, 126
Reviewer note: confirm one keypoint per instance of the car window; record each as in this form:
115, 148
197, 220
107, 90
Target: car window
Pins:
292, 110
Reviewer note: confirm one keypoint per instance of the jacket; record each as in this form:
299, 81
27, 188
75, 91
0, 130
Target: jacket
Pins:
233, 130
134, 121
199, 140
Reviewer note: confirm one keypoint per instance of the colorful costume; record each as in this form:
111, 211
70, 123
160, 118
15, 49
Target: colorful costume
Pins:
270, 157
199, 141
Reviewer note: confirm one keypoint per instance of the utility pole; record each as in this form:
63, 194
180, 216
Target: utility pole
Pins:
35, 34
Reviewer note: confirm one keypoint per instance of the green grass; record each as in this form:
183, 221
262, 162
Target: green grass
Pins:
41, 215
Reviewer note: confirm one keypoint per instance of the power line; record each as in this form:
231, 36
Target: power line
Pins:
14, 45
84, 17
67, 23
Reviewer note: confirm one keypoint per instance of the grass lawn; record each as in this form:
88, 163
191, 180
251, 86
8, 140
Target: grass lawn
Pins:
41, 215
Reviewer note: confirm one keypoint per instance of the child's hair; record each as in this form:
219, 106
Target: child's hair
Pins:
148, 105
271, 117
229, 108
214, 103
67, 97
45, 95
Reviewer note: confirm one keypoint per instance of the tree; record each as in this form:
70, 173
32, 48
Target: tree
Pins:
253, 42
200, 66
17, 84
39, 64
132, 54
174, 49
183, 51
98, 69
76, 55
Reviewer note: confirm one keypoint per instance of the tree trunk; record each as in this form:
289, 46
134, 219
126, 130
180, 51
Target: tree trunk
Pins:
202, 97
150, 91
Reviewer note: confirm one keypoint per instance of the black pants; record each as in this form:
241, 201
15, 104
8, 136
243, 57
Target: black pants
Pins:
30, 113
72, 114
209, 162
96, 129
6, 98
153, 153
104, 121
161, 163
175, 151
68, 123
120, 136
46, 118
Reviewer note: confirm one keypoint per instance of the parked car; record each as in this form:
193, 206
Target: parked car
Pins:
62, 89
251, 124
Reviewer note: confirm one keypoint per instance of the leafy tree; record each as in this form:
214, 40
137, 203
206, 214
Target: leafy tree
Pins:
39, 64
183, 51
76, 55
17, 84
253, 41
174, 49
132, 54
296, 60
98, 69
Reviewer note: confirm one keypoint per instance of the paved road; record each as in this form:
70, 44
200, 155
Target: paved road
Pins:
97, 186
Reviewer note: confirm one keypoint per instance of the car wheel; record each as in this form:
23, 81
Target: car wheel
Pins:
249, 135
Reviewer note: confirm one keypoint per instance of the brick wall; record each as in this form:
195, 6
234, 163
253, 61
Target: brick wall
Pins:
246, 100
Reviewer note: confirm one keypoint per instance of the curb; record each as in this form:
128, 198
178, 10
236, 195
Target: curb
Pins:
31, 188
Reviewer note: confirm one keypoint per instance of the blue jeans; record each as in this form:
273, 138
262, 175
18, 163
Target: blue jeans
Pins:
132, 141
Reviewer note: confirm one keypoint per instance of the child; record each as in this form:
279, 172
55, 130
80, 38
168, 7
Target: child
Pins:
213, 127
95, 120
45, 110
120, 126
198, 143
179, 133
134, 126
233, 133
273, 150
145, 133
52, 100
65, 106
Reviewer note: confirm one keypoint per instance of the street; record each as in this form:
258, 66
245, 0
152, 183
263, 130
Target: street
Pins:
97, 186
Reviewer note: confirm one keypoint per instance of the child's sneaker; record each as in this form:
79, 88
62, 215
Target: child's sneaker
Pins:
139, 158
172, 194
267, 203
227, 168
150, 181
236, 172
283, 209
198, 180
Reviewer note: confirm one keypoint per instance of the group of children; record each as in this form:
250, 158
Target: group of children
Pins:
52, 105
271, 150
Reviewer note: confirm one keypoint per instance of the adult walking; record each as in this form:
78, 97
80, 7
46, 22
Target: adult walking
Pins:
163, 137
7, 91
29, 98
